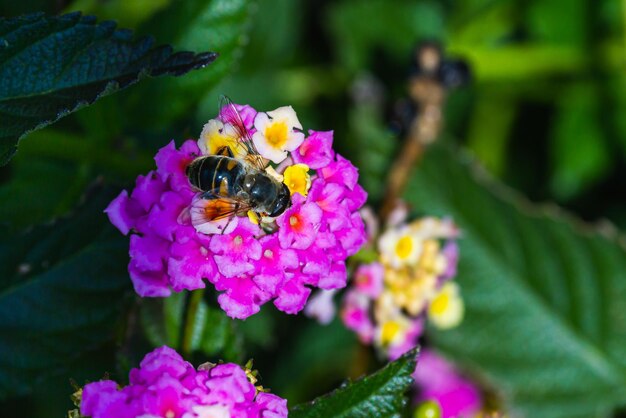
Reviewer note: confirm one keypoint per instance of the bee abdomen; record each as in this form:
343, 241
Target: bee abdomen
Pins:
216, 173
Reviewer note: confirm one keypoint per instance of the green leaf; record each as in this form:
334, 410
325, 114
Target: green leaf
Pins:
580, 152
162, 319
359, 27
545, 295
305, 348
373, 147
192, 24
52, 66
379, 395
62, 288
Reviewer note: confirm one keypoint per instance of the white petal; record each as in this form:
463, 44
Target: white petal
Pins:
260, 121
211, 128
267, 151
287, 115
294, 140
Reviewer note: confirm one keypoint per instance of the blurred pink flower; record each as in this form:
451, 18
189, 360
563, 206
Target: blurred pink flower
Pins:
437, 380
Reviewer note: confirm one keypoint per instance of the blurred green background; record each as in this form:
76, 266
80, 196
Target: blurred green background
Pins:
544, 113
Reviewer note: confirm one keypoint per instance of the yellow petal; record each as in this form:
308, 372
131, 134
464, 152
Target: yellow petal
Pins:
297, 179
446, 309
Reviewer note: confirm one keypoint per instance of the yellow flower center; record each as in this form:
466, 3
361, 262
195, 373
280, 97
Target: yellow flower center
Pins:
297, 179
389, 331
238, 240
217, 141
404, 247
268, 253
276, 134
293, 220
440, 303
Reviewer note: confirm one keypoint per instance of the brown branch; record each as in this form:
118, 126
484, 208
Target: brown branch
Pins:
428, 94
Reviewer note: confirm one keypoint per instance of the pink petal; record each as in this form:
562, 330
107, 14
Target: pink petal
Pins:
123, 212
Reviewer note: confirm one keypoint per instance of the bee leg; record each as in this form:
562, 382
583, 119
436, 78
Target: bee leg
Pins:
225, 151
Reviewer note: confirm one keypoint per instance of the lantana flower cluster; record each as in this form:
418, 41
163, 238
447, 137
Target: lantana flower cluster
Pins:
390, 299
306, 246
165, 385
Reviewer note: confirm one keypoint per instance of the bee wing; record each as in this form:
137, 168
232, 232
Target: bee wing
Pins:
211, 213
240, 133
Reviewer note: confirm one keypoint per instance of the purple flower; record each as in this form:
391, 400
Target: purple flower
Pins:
165, 385
439, 381
172, 246
450, 252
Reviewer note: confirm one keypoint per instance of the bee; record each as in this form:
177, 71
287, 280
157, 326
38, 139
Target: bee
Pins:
234, 182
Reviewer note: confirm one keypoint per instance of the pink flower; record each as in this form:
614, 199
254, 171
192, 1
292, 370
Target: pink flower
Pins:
235, 252
123, 212
171, 250
411, 337
247, 114
451, 253
368, 279
341, 171
165, 385
439, 381
316, 151
298, 225
329, 197
293, 294
355, 315
243, 296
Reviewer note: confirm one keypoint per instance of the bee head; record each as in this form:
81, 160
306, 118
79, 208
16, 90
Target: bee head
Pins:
282, 202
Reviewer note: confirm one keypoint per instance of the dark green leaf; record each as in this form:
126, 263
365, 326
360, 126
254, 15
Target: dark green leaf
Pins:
52, 66
62, 287
379, 395
545, 295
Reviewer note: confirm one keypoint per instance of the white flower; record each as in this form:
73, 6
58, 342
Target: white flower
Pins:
321, 306
275, 133
208, 411
430, 227
400, 247
215, 135
446, 309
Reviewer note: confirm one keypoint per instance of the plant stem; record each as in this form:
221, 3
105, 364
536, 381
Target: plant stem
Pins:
191, 325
